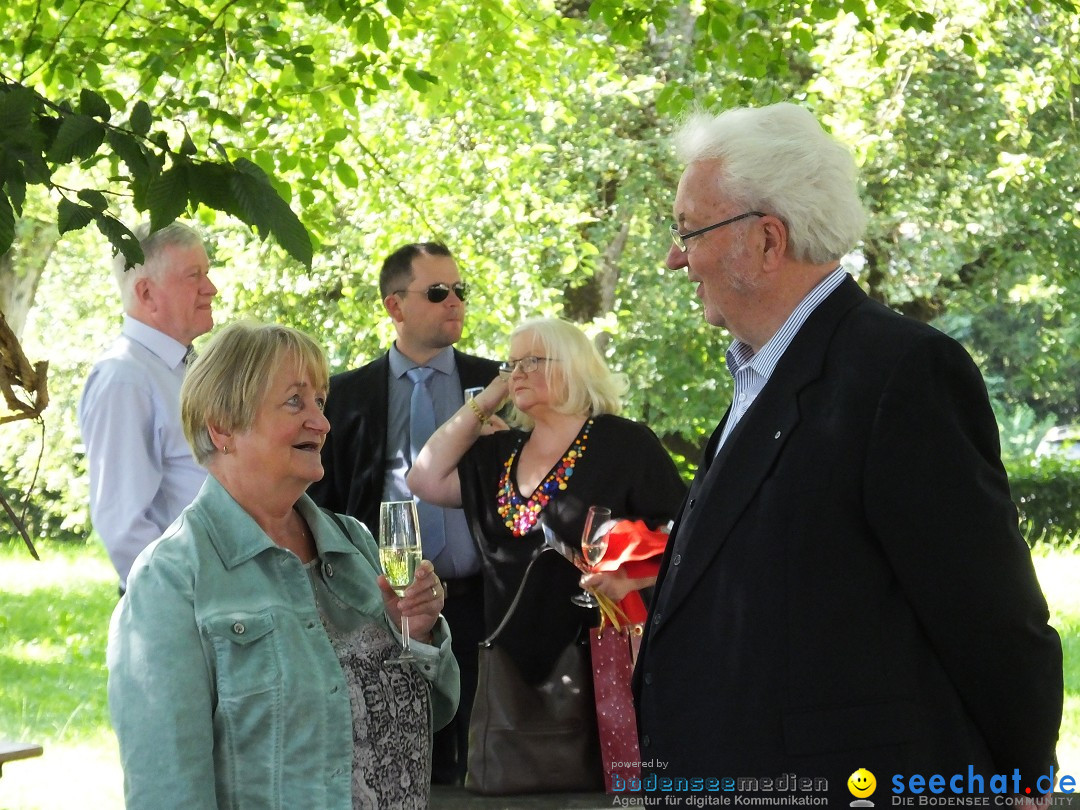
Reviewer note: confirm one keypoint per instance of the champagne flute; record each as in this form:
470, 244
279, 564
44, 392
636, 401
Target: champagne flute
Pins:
593, 546
399, 554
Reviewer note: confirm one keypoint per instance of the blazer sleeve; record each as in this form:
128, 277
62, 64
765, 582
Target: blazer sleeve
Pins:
938, 499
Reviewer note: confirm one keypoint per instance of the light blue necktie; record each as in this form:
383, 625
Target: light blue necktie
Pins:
421, 426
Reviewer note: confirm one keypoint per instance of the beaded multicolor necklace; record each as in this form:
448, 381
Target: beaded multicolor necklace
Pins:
520, 515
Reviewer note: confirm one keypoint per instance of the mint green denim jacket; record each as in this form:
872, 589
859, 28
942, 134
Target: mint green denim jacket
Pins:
224, 689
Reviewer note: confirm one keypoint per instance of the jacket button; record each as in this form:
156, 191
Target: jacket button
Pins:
646, 741
692, 502
656, 619
328, 569
676, 559
648, 678
239, 628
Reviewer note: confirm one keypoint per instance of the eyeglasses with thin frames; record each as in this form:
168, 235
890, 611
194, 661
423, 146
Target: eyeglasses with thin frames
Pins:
680, 238
437, 293
526, 364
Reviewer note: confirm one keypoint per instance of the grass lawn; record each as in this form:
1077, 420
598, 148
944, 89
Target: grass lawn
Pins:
54, 617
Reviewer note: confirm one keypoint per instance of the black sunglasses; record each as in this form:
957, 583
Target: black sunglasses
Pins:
437, 293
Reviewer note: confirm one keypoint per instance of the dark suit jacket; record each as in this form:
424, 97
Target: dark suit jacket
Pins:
355, 450
846, 586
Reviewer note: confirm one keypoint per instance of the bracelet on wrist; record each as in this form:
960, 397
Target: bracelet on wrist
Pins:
480, 415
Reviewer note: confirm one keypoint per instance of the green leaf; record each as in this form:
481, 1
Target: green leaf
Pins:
379, 35
72, 216
93, 105
123, 240
16, 107
79, 136
94, 198
346, 174
209, 184
141, 118
15, 183
264, 208
187, 146
396, 7
167, 196
415, 80
7, 224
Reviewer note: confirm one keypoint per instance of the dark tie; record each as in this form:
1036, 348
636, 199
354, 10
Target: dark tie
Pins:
421, 426
190, 355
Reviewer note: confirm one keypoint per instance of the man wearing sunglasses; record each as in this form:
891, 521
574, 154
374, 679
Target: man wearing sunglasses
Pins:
372, 410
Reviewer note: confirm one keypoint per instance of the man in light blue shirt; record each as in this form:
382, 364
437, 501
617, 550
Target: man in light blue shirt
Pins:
142, 472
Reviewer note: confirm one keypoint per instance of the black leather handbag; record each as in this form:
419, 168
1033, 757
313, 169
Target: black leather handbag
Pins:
533, 737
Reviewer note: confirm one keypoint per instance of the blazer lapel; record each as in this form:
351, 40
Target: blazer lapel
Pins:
725, 486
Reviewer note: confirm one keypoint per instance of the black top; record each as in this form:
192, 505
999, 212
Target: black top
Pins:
623, 466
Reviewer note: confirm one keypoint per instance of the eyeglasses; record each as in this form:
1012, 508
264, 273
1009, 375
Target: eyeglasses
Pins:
437, 293
527, 364
680, 238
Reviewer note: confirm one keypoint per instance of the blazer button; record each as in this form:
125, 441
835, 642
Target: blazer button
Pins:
692, 502
656, 619
676, 559
645, 741
648, 678
328, 569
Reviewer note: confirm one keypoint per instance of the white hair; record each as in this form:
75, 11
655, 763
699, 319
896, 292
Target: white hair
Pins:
153, 246
778, 160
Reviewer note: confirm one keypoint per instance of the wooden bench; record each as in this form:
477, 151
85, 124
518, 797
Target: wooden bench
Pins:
10, 751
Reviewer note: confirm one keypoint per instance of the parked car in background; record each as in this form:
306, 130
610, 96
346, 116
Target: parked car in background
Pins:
1062, 441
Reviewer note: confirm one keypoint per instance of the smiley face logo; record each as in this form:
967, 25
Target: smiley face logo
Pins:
861, 783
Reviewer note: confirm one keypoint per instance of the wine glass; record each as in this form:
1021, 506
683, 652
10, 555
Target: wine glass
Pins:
399, 554
593, 546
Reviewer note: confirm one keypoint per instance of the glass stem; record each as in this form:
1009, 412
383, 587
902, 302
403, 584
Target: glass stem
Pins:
405, 634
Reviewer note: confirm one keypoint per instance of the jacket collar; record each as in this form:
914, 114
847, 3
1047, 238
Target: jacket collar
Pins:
236, 536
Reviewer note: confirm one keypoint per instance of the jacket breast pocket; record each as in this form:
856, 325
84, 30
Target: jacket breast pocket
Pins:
246, 652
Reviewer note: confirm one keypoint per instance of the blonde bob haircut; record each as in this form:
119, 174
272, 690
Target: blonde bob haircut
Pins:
579, 374
230, 378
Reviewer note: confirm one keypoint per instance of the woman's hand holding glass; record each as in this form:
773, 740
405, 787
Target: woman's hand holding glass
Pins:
409, 585
421, 603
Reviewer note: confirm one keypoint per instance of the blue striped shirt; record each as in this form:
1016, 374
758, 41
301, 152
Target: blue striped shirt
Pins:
751, 371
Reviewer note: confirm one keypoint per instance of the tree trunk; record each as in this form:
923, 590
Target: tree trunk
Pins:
21, 269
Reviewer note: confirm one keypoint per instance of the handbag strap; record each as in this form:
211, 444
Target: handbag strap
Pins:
334, 516
487, 642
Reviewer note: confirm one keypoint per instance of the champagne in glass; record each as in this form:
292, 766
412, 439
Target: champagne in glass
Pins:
400, 554
593, 546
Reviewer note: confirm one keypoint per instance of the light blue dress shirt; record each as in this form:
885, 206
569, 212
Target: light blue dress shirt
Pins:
460, 558
142, 472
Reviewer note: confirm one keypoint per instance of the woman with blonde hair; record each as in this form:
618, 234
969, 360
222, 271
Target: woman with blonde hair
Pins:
569, 450
248, 659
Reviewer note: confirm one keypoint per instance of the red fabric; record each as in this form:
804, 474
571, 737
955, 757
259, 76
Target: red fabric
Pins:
636, 549
631, 541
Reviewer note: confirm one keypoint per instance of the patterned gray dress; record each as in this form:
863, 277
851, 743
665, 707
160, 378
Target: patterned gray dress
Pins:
391, 709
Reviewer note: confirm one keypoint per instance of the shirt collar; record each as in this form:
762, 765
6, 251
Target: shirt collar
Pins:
740, 354
169, 350
400, 364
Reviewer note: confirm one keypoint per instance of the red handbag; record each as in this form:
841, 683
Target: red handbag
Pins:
614, 653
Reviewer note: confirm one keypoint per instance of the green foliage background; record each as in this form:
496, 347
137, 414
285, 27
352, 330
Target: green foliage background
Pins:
532, 138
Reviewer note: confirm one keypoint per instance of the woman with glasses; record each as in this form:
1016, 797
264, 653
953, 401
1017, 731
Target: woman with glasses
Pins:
568, 450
